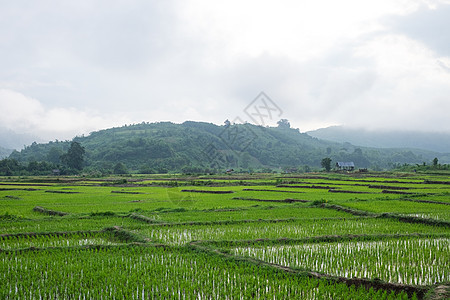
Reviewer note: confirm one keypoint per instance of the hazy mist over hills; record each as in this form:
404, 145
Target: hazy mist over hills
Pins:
10, 140
4, 152
433, 141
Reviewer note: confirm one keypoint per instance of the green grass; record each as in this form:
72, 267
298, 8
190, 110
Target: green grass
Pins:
91, 199
181, 235
426, 210
56, 224
156, 273
297, 211
55, 240
175, 219
405, 261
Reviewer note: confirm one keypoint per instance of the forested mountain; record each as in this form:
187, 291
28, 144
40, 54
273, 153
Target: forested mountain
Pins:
197, 146
432, 141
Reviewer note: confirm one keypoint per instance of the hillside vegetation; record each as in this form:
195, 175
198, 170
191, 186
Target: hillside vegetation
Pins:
198, 147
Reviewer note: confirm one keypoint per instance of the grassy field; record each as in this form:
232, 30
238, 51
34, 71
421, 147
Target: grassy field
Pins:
305, 236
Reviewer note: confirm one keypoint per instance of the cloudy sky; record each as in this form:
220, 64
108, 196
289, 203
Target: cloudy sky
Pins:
71, 67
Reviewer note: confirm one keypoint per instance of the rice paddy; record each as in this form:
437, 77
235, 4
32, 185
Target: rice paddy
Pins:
313, 236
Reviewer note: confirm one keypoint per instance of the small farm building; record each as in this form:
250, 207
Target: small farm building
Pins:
345, 166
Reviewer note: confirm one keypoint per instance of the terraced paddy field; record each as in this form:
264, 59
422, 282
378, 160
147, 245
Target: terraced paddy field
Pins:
304, 236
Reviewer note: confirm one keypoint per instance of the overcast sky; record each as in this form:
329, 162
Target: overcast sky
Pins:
71, 67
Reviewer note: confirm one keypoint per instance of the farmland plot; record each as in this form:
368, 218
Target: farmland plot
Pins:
66, 239
180, 235
174, 226
156, 273
407, 261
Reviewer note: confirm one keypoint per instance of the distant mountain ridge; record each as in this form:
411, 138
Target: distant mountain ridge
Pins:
4, 152
196, 146
12, 140
432, 141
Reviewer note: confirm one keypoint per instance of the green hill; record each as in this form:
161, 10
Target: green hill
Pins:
198, 146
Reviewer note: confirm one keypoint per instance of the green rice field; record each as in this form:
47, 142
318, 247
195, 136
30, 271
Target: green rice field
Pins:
263, 236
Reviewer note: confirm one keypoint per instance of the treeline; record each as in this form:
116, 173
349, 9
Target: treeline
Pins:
197, 147
10, 167
68, 163
424, 167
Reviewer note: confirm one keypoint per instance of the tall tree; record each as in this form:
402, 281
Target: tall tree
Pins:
120, 168
74, 158
435, 162
326, 164
54, 155
284, 123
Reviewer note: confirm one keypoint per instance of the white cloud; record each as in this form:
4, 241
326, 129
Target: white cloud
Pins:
299, 30
410, 86
17, 110
95, 64
24, 114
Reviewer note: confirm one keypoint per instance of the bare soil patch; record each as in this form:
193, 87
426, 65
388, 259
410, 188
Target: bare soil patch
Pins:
208, 192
